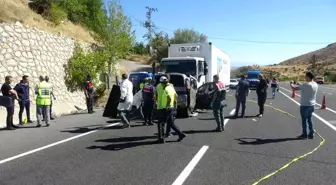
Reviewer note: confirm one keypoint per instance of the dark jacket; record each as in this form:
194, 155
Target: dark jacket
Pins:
23, 91
243, 88
262, 87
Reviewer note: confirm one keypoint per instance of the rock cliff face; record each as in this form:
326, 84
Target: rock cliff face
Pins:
27, 51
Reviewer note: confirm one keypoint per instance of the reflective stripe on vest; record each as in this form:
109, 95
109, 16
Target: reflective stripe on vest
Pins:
148, 88
44, 93
220, 86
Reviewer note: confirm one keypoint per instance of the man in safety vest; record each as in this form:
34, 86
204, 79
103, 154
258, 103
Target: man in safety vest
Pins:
168, 103
159, 93
274, 86
148, 99
218, 103
43, 100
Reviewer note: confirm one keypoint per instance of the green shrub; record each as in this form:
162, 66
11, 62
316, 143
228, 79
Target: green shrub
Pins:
57, 14
81, 64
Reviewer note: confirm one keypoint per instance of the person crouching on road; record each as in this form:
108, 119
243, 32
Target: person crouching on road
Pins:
169, 101
218, 103
148, 97
242, 92
43, 101
126, 100
307, 103
274, 86
262, 94
89, 94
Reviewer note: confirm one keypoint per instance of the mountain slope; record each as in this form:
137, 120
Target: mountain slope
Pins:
326, 55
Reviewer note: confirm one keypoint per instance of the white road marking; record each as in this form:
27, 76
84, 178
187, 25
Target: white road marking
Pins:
254, 120
329, 109
232, 112
317, 116
187, 170
329, 93
225, 121
54, 144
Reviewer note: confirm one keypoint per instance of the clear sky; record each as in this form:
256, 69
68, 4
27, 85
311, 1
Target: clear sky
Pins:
308, 21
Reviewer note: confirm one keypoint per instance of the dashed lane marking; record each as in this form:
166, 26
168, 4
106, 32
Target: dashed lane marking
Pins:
54, 144
188, 169
331, 110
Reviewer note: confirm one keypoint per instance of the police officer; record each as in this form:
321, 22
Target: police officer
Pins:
89, 94
8, 91
43, 101
242, 92
218, 103
169, 104
148, 97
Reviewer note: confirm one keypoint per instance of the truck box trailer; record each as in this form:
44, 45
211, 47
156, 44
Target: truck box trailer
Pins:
199, 60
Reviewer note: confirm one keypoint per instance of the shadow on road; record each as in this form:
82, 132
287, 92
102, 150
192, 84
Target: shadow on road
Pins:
257, 141
129, 143
197, 131
83, 129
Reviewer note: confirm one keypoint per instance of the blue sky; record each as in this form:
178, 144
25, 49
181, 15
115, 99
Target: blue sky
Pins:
310, 21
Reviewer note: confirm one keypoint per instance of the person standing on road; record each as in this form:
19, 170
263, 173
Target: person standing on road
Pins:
148, 97
8, 91
52, 98
22, 89
308, 101
43, 101
262, 94
89, 94
169, 102
242, 92
218, 103
125, 100
274, 86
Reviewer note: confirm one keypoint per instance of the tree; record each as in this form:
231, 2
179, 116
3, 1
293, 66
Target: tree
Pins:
117, 36
160, 45
187, 36
313, 63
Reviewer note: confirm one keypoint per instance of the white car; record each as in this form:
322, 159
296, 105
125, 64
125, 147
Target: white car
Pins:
233, 83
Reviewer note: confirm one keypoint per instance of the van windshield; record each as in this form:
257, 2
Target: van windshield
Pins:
176, 80
252, 76
187, 67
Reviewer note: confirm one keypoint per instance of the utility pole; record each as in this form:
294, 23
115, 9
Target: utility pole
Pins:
149, 25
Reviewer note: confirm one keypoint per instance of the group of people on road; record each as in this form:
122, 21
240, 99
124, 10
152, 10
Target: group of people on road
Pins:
21, 93
307, 104
163, 97
44, 97
243, 89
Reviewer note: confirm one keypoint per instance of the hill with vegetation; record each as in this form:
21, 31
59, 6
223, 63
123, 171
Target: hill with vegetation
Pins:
322, 62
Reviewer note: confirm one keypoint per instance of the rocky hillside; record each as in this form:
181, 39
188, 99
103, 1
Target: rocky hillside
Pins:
326, 55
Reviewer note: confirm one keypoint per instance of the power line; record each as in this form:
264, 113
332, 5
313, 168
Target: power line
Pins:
246, 40
257, 41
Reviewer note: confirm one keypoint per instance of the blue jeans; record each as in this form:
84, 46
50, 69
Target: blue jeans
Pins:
306, 116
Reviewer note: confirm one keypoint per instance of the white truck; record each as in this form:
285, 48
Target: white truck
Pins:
198, 60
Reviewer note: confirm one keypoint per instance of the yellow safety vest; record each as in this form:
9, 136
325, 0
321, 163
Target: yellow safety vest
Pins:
141, 85
159, 90
43, 94
168, 91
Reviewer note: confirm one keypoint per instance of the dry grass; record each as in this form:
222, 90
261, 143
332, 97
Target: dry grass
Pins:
287, 70
12, 11
139, 58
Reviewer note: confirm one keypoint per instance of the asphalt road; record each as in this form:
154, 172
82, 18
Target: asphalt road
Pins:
85, 149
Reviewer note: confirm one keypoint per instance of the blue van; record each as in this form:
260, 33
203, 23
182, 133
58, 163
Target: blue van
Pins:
252, 77
136, 78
